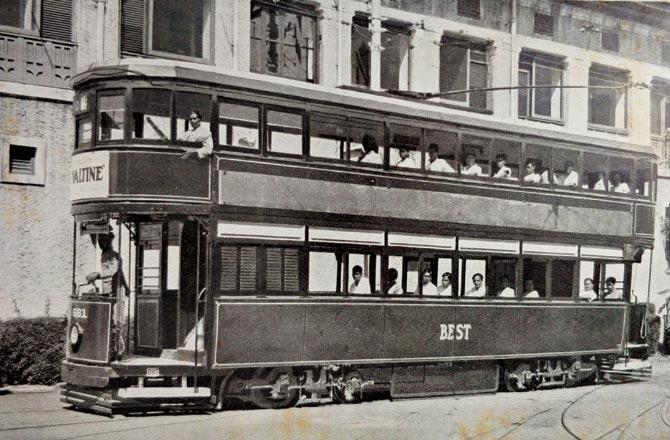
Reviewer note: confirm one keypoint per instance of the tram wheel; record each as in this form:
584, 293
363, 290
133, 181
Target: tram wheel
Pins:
512, 378
351, 389
277, 389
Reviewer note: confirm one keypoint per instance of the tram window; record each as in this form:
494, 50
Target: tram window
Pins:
282, 271
588, 275
475, 156
358, 130
84, 132
151, 114
413, 274
562, 278
238, 125
473, 277
441, 156
323, 272
405, 147
534, 278
328, 136
284, 132
505, 159
643, 177
444, 277
185, 104
503, 277
173, 255
595, 172
537, 165
150, 236
620, 174
395, 269
238, 268
370, 266
565, 163
111, 110
612, 284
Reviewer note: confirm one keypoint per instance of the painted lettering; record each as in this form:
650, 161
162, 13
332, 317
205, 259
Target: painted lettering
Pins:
455, 332
78, 312
88, 174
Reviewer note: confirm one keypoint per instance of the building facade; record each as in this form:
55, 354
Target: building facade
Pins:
590, 72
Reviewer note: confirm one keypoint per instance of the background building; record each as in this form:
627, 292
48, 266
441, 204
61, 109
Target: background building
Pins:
396, 49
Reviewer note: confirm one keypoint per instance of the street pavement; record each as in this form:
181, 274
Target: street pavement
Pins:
633, 410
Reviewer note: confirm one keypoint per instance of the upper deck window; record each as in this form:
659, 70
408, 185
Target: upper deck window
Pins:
463, 66
328, 136
366, 141
284, 132
441, 156
405, 148
475, 156
238, 125
620, 173
187, 103
595, 172
537, 165
505, 160
111, 113
283, 39
607, 97
151, 114
643, 174
545, 73
566, 168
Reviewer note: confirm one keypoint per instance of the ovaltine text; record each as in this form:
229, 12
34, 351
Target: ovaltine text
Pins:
87, 174
452, 332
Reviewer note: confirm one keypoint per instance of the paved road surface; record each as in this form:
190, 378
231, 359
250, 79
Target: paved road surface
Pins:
623, 411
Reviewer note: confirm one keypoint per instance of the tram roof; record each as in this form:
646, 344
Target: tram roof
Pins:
347, 97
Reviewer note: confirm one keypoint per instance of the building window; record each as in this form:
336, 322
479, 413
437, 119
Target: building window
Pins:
463, 66
23, 160
543, 24
546, 73
283, 39
609, 41
665, 52
468, 8
660, 107
20, 14
607, 97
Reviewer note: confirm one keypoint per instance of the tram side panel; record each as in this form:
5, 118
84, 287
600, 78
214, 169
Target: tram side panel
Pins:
311, 333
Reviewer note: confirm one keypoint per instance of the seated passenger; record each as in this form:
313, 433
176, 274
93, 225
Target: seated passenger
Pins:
426, 288
504, 172
197, 133
436, 163
405, 159
370, 151
611, 292
444, 289
588, 293
618, 186
571, 177
507, 291
529, 290
531, 175
478, 290
600, 183
394, 286
361, 284
544, 175
471, 168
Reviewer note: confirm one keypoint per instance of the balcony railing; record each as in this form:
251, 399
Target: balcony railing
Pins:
31, 60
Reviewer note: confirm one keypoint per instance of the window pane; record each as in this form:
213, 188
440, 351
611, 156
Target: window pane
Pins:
370, 152
473, 277
173, 260
255, 31
298, 46
643, 175
453, 68
323, 272
394, 58
186, 103
536, 164
327, 136
284, 132
363, 273
238, 125
504, 277
565, 168
595, 168
505, 163
110, 117
178, 27
613, 283
475, 156
441, 156
534, 278
548, 100
444, 277
395, 276
607, 103
360, 52
413, 274
405, 147
620, 174
588, 291
151, 113
562, 273
84, 132
19, 14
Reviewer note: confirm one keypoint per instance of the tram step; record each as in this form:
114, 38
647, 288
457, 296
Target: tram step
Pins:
183, 354
164, 393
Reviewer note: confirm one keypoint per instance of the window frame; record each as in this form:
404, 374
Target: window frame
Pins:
529, 58
130, 102
266, 152
605, 73
122, 91
37, 22
479, 46
218, 146
38, 177
537, 29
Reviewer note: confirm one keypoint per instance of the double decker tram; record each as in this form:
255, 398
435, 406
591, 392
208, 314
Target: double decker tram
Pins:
338, 242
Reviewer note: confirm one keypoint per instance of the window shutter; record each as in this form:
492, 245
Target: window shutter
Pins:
478, 78
543, 24
524, 81
132, 26
248, 268
22, 159
609, 41
274, 272
665, 52
291, 272
228, 268
56, 19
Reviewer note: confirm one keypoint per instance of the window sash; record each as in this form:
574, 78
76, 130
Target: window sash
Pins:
204, 36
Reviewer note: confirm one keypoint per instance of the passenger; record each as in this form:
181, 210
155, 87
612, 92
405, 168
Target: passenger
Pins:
197, 133
529, 290
471, 168
478, 290
395, 287
571, 178
507, 291
504, 172
436, 163
544, 175
611, 292
111, 267
444, 289
361, 284
588, 293
618, 186
600, 183
426, 288
370, 148
406, 160
531, 174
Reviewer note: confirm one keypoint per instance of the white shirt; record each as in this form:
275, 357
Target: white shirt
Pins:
532, 178
589, 295
444, 291
600, 185
474, 170
617, 294
441, 166
407, 162
362, 287
372, 157
476, 293
572, 179
202, 135
504, 172
507, 292
428, 289
622, 188
532, 294
395, 289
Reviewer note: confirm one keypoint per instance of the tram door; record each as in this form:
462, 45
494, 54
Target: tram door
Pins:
170, 273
